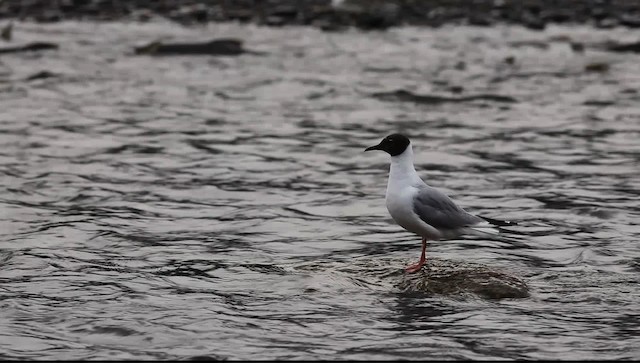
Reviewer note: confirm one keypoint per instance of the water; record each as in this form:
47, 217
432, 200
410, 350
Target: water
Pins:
190, 207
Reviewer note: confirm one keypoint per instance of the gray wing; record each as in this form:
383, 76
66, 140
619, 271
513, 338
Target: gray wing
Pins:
437, 210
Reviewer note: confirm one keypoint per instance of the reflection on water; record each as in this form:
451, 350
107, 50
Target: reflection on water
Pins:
183, 207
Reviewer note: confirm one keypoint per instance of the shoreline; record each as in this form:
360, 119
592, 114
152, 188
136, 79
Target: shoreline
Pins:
336, 15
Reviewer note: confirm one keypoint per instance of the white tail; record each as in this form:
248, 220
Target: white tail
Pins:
487, 231
482, 229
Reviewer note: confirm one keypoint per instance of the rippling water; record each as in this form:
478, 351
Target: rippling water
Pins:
185, 207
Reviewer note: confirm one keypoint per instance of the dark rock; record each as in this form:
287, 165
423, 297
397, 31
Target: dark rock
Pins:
242, 15
457, 279
379, 18
480, 20
460, 65
41, 75
218, 47
329, 26
142, 15
373, 15
631, 21
406, 96
67, 5
598, 67
530, 43
275, 20
624, 47
191, 13
77, 3
207, 358
599, 103
577, 47
50, 16
557, 16
451, 278
534, 23
599, 13
7, 32
456, 89
29, 47
285, 11
200, 13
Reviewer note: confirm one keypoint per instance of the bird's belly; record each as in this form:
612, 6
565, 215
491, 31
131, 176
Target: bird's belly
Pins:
400, 206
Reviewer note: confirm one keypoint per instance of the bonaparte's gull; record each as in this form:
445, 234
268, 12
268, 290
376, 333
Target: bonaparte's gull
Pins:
421, 209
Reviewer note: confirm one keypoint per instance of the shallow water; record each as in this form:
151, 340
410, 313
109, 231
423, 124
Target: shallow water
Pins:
184, 207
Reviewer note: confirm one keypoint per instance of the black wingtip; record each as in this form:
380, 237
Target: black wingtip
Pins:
498, 222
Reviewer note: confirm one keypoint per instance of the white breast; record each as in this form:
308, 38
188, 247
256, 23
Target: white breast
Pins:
400, 206
402, 188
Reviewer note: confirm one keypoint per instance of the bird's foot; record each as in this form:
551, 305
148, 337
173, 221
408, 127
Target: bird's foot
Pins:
415, 267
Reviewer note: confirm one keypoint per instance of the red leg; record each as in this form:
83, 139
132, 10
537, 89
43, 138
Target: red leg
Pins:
418, 266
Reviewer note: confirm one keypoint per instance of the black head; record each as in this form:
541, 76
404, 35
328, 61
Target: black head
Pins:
394, 144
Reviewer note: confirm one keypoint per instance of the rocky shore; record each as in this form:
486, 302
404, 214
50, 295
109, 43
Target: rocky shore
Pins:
336, 14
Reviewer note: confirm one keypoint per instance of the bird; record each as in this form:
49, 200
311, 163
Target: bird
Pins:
422, 209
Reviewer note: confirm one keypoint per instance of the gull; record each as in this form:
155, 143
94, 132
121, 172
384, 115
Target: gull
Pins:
422, 209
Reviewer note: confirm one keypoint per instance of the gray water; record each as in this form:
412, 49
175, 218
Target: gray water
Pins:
190, 207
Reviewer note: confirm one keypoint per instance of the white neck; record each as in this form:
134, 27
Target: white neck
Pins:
402, 171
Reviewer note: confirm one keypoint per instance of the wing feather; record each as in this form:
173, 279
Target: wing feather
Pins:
439, 211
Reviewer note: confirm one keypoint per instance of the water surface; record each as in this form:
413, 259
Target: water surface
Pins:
182, 207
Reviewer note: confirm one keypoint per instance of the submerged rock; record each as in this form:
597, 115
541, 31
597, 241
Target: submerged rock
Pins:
444, 277
437, 277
